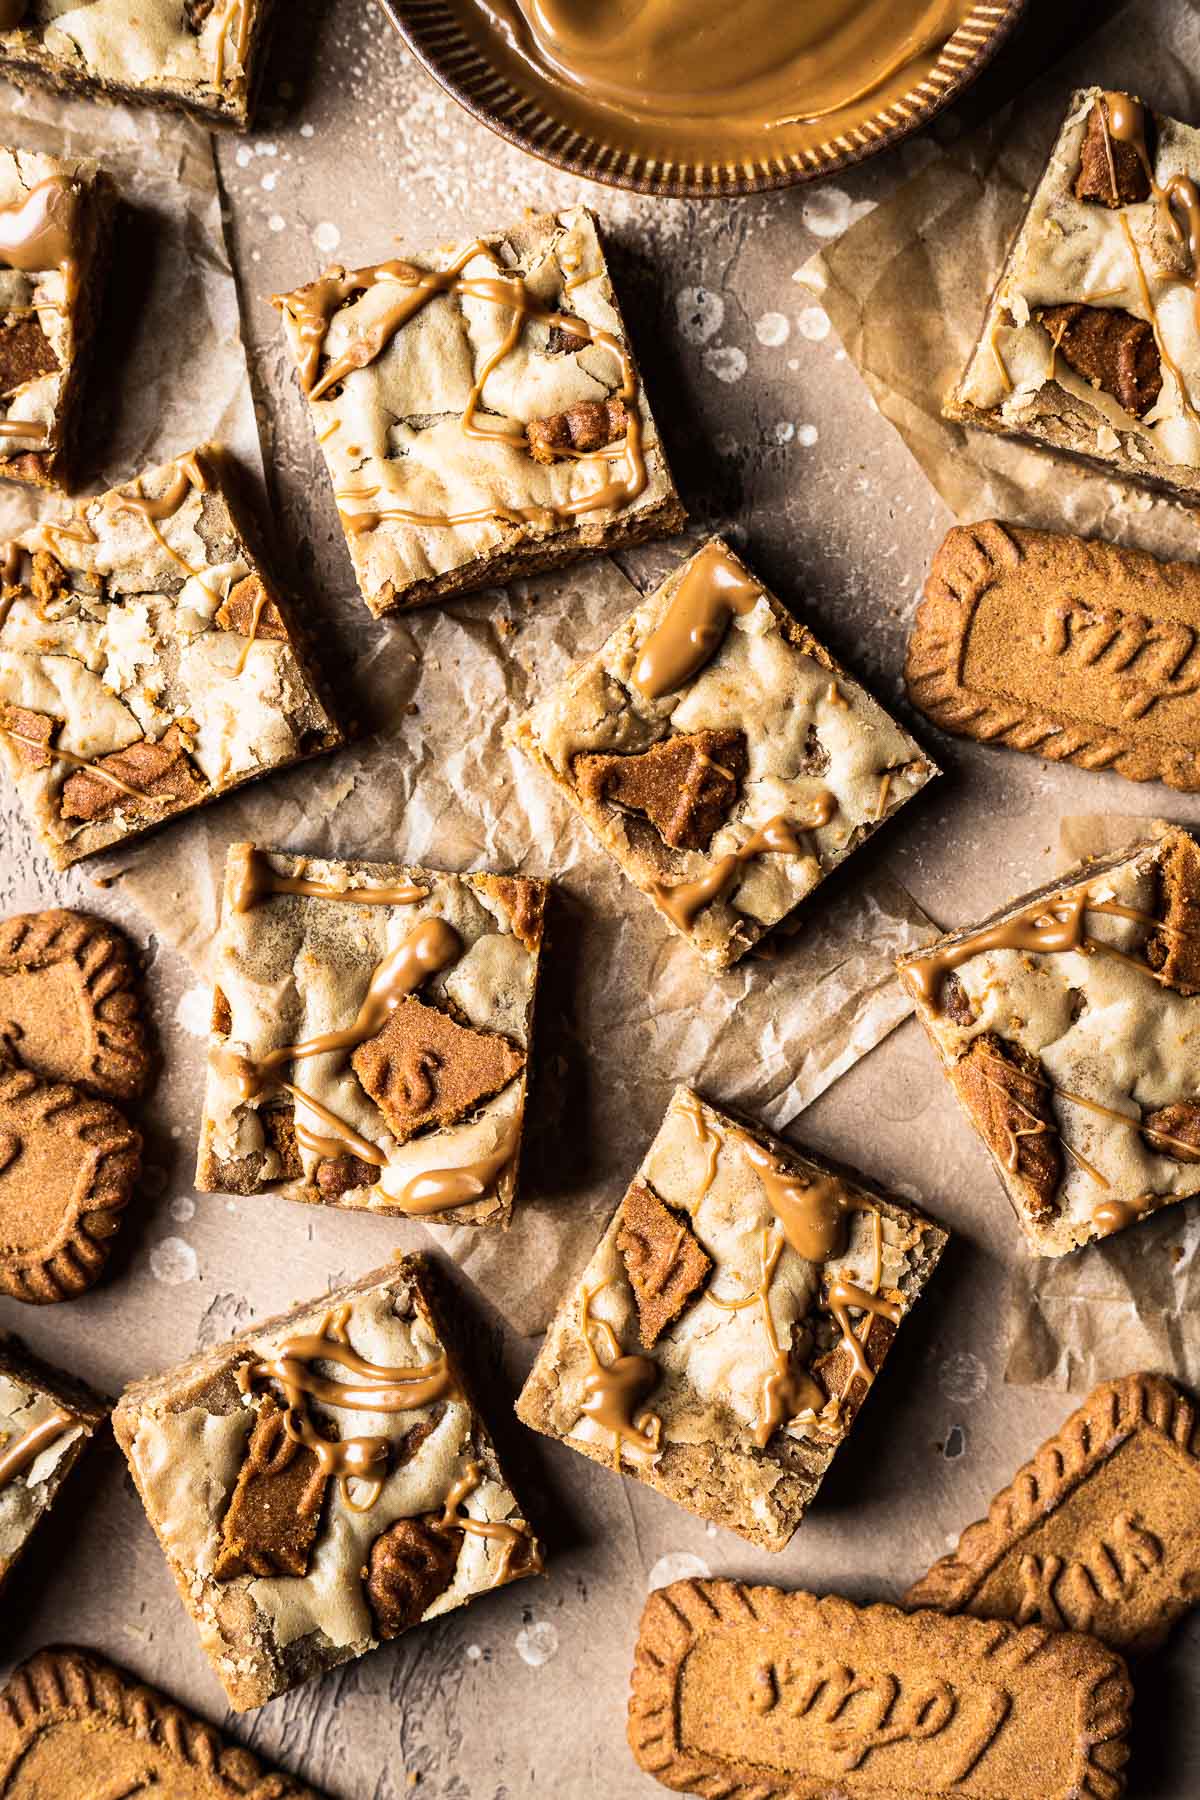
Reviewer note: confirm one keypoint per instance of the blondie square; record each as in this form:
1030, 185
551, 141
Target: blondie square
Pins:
206, 55
56, 217
729, 1326
148, 662
721, 755
371, 1034
46, 1421
1091, 343
1068, 1024
480, 411
323, 1482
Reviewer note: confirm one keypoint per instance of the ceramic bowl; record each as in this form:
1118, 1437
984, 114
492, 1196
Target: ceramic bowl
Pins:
434, 34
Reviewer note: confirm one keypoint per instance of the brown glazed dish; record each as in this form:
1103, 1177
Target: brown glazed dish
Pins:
460, 43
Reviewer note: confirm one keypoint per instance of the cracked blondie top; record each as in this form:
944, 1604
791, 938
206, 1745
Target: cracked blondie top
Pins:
479, 410
206, 55
1069, 1027
55, 230
1091, 343
323, 1482
46, 1420
731, 1323
147, 661
371, 1034
721, 755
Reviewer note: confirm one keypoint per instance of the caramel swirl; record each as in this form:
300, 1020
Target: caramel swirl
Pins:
312, 310
429, 947
683, 900
713, 589
23, 1452
39, 231
363, 1387
512, 1535
678, 78
613, 1390
439, 1190
255, 881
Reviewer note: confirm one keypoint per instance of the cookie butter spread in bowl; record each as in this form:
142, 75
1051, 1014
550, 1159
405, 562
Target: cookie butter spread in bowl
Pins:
703, 96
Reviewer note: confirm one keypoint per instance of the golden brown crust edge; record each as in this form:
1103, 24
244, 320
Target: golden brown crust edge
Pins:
1111, 1414
680, 1617
64, 1686
971, 562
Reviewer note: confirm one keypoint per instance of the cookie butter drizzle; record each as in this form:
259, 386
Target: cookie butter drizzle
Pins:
21, 1454
613, 1390
255, 881
312, 310
366, 1387
1048, 930
77, 762
712, 590
1124, 119
188, 475
511, 1534
787, 1391
683, 900
428, 948
38, 233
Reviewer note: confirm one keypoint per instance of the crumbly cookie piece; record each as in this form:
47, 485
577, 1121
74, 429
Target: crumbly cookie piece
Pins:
1065, 647
47, 1419
73, 1725
1091, 344
480, 411
56, 218
748, 1691
765, 1290
411, 1098
720, 755
71, 1003
323, 1482
205, 55
1100, 1532
136, 678
1067, 1024
68, 1164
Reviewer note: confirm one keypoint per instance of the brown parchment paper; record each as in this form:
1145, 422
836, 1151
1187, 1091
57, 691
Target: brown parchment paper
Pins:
170, 371
907, 287
625, 1009
1131, 1301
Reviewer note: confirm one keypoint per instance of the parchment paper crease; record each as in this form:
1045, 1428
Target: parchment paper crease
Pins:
625, 1010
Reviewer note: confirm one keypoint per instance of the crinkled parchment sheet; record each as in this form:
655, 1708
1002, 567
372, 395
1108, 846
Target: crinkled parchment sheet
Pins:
1131, 1301
625, 1009
906, 289
170, 369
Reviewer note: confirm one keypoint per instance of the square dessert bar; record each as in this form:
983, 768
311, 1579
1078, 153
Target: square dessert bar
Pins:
371, 1033
1091, 343
1068, 1024
56, 219
721, 755
148, 662
206, 55
731, 1322
323, 1482
46, 1421
480, 411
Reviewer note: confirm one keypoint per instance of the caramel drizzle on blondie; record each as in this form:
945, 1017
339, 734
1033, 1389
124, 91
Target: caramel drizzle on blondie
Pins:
77, 762
255, 881
713, 589
786, 1390
366, 1387
613, 1390
239, 11
21, 1453
512, 1535
154, 510
682, 901
312, 310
